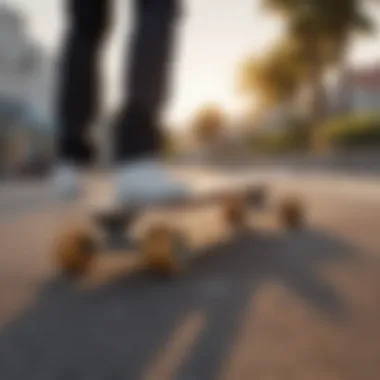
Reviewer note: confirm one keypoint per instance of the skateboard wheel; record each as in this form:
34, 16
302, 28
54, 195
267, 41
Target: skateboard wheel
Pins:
291, 213
164, 250
75, 251
234, 211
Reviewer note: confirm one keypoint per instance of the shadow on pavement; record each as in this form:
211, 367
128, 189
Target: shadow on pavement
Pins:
113, 333
292, 259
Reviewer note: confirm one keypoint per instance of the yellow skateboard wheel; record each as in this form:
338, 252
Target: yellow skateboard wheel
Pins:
75, 251
234, 210
291, 213
163, 250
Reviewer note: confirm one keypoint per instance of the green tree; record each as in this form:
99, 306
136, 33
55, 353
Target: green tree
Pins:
274, 78
322, 30
208, 123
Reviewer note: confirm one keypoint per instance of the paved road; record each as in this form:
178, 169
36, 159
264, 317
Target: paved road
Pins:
266, 305
355, 163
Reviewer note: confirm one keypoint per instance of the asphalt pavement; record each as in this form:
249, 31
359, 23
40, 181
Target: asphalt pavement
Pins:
266, 304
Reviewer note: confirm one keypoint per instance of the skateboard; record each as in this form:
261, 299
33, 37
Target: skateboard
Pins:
162, 246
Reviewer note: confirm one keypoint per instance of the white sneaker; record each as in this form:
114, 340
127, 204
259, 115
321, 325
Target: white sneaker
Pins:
147, 181
67, 182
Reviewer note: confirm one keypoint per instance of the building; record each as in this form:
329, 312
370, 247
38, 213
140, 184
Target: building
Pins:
26, 73
358, 91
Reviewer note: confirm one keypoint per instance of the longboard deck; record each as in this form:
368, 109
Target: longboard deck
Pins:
161, 246
255, 195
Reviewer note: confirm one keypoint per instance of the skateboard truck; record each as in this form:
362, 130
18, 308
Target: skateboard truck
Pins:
114, 225
257, 196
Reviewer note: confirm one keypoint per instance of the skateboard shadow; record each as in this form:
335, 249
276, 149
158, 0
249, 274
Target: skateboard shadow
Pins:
246, 262
116, 331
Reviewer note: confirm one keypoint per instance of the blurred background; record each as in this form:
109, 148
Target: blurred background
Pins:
268, 79
261, 88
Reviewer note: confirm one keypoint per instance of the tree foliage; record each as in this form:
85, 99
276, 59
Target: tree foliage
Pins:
317, 35
328, 24
275, 77
208, 123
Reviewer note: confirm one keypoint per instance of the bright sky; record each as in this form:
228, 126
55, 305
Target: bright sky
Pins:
215, 36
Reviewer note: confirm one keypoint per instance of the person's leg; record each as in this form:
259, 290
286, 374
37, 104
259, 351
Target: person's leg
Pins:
137, 136
137, 129
78, 87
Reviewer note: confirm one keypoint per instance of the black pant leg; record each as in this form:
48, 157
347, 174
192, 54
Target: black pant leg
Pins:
137, 129
78, 87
